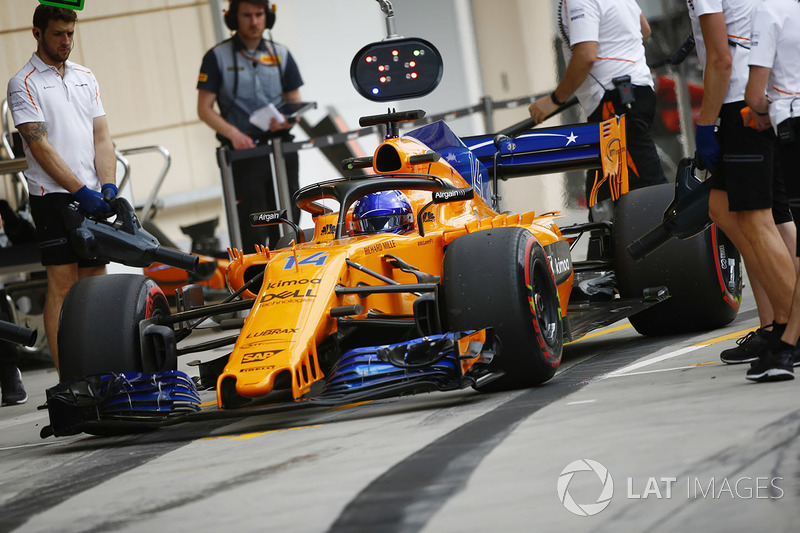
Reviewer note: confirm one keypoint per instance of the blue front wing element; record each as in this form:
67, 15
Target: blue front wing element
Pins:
434, 366
97, 402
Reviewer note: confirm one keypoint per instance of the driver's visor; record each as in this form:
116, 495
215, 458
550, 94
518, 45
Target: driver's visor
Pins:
382, 223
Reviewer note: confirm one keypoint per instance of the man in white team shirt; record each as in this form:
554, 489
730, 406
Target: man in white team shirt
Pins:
603, 41
741, 161
56, 107
773, 94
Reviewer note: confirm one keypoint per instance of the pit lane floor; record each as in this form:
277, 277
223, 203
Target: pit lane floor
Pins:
686, 441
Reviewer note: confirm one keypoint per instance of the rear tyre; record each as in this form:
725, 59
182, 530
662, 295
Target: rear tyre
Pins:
703, 273
99, 328
501, 278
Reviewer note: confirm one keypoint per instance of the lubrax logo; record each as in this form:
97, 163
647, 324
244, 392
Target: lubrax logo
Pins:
328, 229
257, 357
270, 332
293, 282
428, 217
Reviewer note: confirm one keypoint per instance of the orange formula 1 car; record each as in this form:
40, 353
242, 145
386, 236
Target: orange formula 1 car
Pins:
411, 281
439, 292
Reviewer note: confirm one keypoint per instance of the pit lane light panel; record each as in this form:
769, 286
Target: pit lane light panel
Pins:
396, 69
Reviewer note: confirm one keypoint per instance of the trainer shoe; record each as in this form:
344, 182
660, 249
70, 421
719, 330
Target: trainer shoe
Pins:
773, 366
747, 348
11, 385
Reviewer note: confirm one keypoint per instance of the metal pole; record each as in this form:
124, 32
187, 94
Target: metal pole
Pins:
229, 197
220, 30
488, 113
388, 10
283, 196
684, 110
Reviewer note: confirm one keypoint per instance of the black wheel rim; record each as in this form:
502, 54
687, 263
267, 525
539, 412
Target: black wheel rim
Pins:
543, 303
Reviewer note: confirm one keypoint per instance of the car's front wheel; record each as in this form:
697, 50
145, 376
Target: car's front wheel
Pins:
501, 278
99, 328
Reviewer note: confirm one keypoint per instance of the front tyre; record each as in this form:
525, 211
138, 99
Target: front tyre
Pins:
501, 278
99, 328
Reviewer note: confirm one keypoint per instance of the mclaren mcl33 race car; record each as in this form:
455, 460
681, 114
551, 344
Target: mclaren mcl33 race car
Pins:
460, 295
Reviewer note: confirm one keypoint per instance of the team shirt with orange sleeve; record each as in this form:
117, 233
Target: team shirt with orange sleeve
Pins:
776, 45
68, 107
738, 19
616, 27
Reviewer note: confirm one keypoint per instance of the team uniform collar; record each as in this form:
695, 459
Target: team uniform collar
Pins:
238, 45
41, 66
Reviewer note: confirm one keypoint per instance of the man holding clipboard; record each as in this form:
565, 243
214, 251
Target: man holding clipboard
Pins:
248, 75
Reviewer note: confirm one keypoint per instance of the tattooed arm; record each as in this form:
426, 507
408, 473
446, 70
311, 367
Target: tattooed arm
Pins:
35, 134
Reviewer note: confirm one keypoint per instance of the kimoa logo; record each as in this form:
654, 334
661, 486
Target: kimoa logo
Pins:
587, 509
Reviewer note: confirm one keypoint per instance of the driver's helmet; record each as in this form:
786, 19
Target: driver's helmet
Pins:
382, 212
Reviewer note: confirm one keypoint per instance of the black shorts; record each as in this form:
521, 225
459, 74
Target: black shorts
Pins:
780, 198
746, 169
790, 164
48, 215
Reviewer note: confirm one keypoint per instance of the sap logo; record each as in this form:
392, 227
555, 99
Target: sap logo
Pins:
287, 295
257, 357
290, 282
328, 229
269, 332
317, 259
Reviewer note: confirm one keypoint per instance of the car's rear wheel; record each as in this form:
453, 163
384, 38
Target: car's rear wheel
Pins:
703, 273
501, 278
99, 328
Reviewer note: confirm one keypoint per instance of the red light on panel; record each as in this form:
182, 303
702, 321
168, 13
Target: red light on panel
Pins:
369, 59
381, 68
395, 53
413, 75
383, 79
412, 64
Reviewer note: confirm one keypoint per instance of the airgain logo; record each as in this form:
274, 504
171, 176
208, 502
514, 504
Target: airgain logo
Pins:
606, 488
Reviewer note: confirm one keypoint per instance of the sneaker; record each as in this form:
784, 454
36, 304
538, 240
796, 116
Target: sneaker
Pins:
773, 366
747, 348
12, 389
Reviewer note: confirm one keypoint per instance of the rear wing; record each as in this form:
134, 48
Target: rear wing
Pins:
559, 149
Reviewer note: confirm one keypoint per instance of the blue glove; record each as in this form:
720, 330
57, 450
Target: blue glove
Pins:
91, 201
109, 191
707, 146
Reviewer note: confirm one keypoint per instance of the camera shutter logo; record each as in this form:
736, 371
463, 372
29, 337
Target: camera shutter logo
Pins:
587, 509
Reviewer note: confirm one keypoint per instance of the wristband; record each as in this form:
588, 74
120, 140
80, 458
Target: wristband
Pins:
555, 99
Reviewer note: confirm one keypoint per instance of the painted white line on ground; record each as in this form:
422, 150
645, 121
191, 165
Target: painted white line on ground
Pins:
628, 370
582, 401
652, 361
32, 445
654, 371
24, 419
